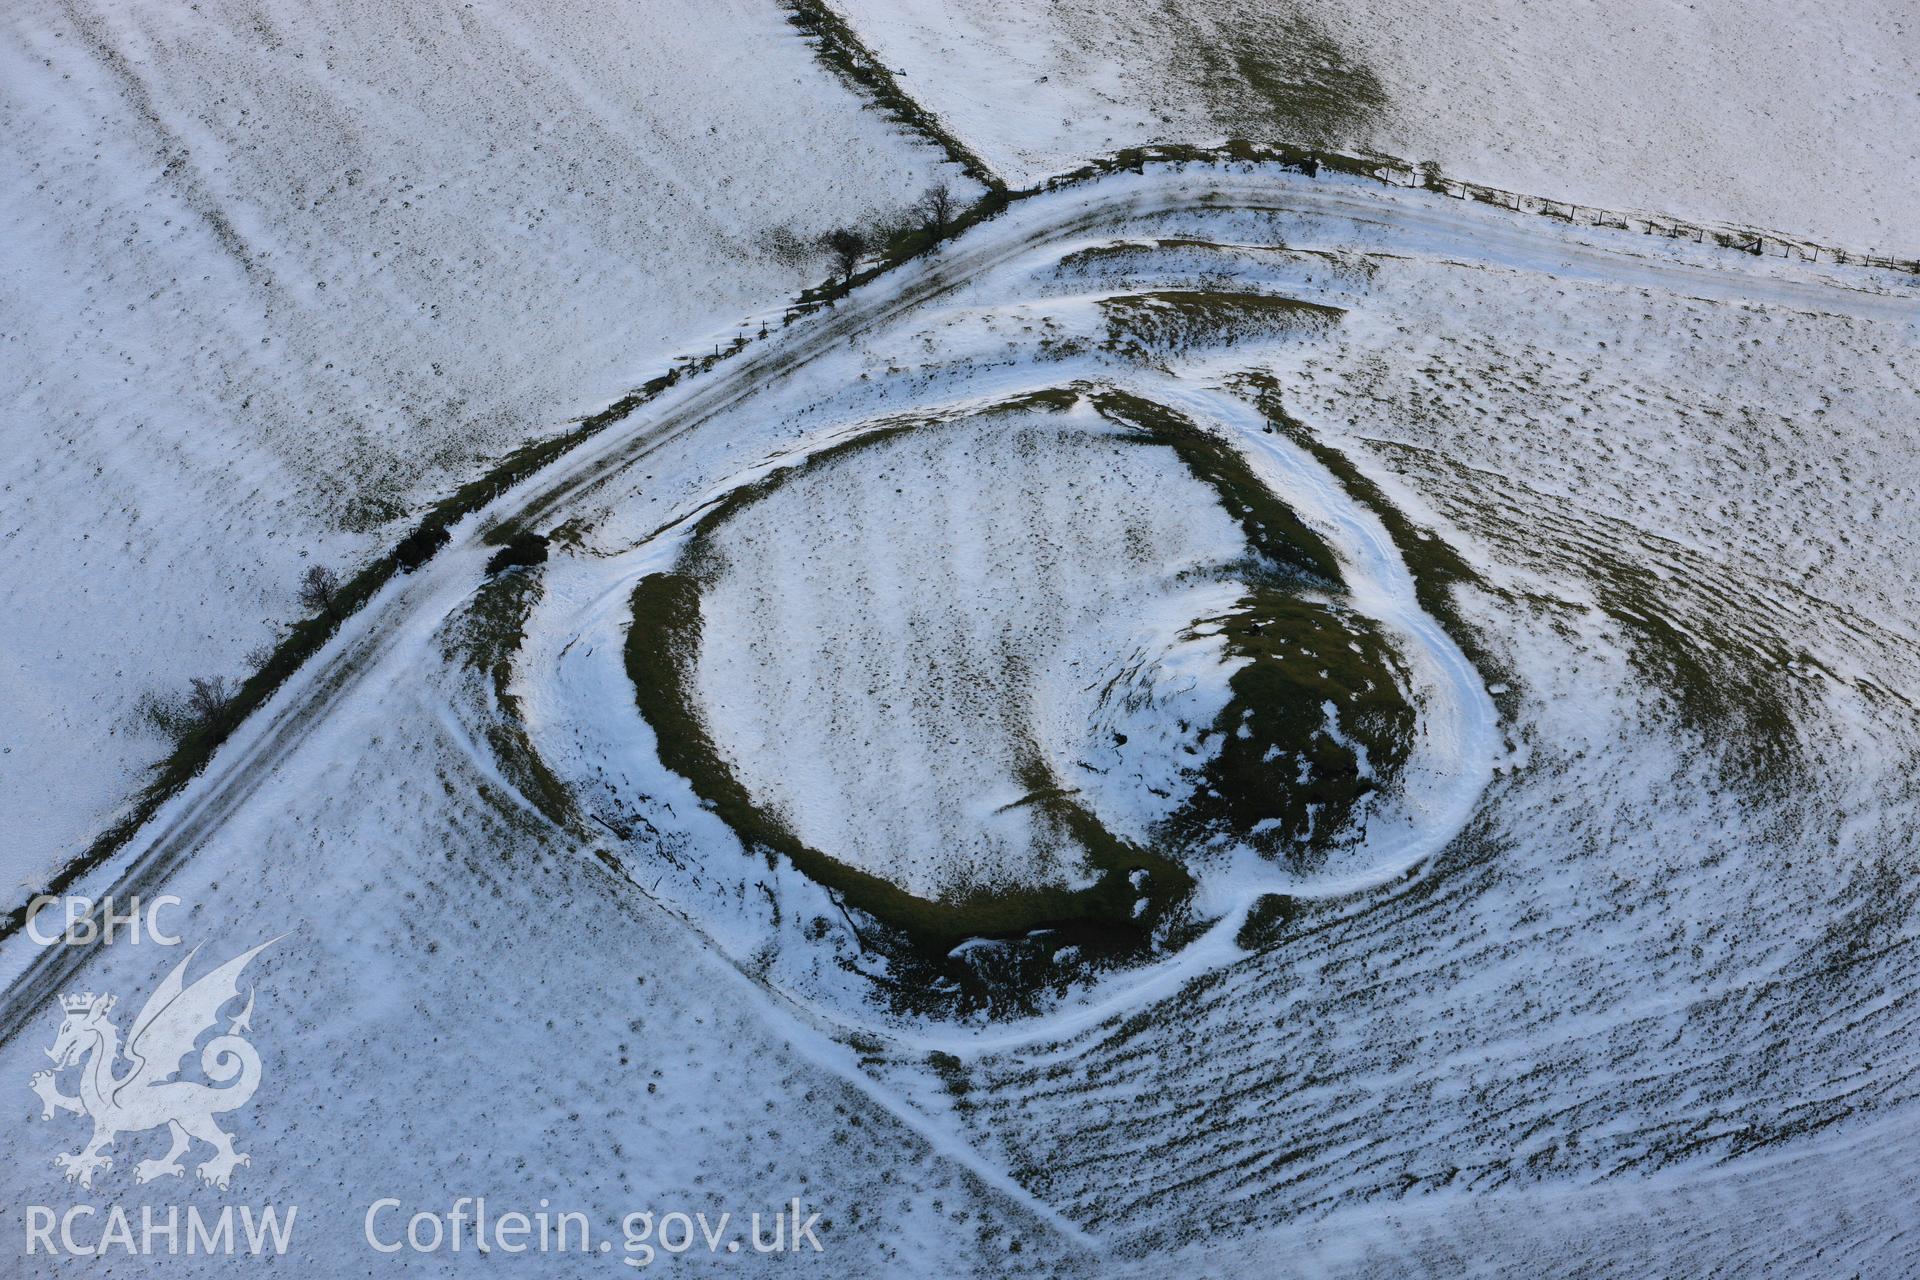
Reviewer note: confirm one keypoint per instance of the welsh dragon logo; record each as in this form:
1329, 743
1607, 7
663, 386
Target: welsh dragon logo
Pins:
146, 1094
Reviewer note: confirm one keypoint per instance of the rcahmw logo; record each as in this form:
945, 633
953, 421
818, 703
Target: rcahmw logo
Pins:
135, 1087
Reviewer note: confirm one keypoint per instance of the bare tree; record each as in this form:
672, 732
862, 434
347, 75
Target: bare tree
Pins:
205, 704
847, 247
207, 698
320, 590
936, 206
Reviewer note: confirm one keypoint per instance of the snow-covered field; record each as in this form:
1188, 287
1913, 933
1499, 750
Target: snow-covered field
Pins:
1789, 115
1622, 986
277, 274
902, 588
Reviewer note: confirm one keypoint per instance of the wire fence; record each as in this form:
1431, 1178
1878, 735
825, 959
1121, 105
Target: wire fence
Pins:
1396, 172
1744, 239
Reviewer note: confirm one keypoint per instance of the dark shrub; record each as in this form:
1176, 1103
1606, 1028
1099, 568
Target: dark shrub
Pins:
525, 549
418, 547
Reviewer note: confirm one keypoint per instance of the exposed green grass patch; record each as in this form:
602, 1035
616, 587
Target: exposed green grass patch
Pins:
1722, 688
1276, 73
1281, 782
1150, 326
1284, 780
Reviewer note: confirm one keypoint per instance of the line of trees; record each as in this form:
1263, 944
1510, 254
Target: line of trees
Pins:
207, 703
932, 213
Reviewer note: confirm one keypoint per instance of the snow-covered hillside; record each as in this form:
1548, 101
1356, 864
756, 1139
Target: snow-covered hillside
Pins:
1792, 115
275, 273
1627, 989
1229, 715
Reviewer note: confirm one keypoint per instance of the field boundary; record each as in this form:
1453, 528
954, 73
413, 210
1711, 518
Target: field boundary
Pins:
847, 56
